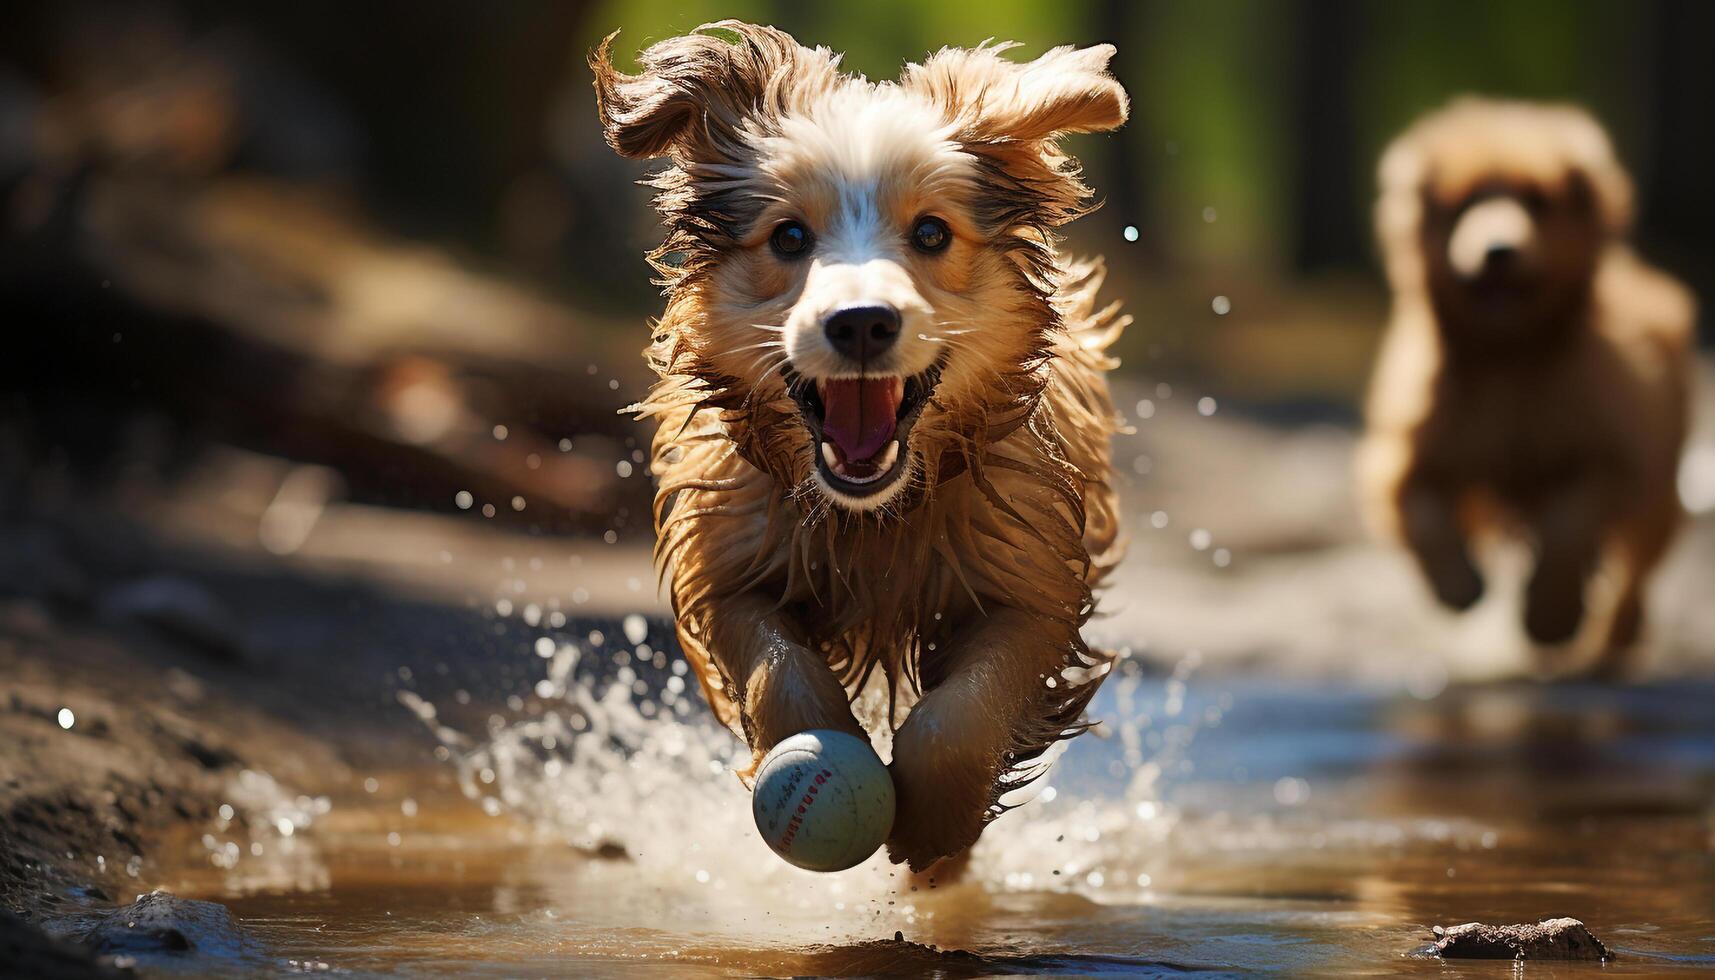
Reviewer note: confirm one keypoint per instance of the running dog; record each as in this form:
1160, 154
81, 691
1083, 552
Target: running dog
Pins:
883, 425
1535, 376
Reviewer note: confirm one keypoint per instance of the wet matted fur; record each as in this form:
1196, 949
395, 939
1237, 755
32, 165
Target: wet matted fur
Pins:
965, 580
1534, 378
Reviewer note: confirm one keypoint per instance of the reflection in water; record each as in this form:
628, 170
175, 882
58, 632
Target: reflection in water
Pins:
1224, 824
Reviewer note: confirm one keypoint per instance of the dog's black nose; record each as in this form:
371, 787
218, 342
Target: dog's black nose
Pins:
862, 332
1500, 256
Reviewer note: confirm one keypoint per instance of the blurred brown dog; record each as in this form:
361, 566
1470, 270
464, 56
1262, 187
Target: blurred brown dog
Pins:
1535, 375
884, 425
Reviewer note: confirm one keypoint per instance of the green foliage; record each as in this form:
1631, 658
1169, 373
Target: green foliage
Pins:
1214, 84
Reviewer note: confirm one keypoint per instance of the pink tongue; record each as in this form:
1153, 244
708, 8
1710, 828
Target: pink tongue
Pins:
859, 414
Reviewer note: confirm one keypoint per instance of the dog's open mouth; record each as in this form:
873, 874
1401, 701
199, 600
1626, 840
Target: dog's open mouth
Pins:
862, 426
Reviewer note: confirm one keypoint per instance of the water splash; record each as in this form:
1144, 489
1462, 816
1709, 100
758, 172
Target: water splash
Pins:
616, 755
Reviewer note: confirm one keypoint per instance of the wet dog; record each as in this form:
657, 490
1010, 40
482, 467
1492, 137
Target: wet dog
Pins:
883, 424
1534, 378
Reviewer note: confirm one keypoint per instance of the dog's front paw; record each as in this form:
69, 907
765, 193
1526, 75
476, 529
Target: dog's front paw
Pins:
925, 835
943, 788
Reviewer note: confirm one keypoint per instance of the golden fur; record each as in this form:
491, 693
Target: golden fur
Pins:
1534, 377
968, 582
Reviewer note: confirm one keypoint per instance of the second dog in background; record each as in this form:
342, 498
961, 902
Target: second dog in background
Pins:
1535, 376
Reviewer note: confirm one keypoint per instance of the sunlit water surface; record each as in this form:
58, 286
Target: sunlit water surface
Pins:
1212, 824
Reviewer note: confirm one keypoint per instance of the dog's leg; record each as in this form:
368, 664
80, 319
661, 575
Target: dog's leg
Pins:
783, 687
1429, 519
955, 744
1625, 625
1642, 545
1568, 540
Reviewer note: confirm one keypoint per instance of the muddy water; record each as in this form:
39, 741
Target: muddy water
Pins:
1226, 825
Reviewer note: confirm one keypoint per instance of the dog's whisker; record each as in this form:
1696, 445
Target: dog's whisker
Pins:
759, 346
770, 369
756, 386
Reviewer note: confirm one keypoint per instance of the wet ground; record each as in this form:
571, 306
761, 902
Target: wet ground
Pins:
1275, 828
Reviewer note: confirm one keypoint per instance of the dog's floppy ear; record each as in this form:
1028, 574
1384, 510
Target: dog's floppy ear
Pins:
1067, 90
694, 91
1594, 170
1403, 176
1010, 117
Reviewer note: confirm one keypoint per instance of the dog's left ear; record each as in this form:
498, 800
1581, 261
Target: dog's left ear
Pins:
1067, 90
1595, 175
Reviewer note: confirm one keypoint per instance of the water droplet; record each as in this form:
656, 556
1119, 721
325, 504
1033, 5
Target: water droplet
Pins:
463, 499
66, 719
1131, 233
1291, 791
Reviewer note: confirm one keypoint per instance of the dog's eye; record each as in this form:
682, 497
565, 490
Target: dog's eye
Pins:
931, 235
790, 239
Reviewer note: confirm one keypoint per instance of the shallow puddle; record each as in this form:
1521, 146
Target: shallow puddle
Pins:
1230, 825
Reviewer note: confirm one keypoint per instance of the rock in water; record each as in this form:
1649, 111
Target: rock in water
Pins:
160, 923
1550, 939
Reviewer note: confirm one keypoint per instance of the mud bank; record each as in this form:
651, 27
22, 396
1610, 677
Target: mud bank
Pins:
160, 701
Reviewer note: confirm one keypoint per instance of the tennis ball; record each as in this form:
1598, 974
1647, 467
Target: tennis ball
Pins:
823, 800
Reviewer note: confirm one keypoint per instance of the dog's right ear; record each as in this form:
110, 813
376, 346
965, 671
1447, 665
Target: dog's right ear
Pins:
695, 91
